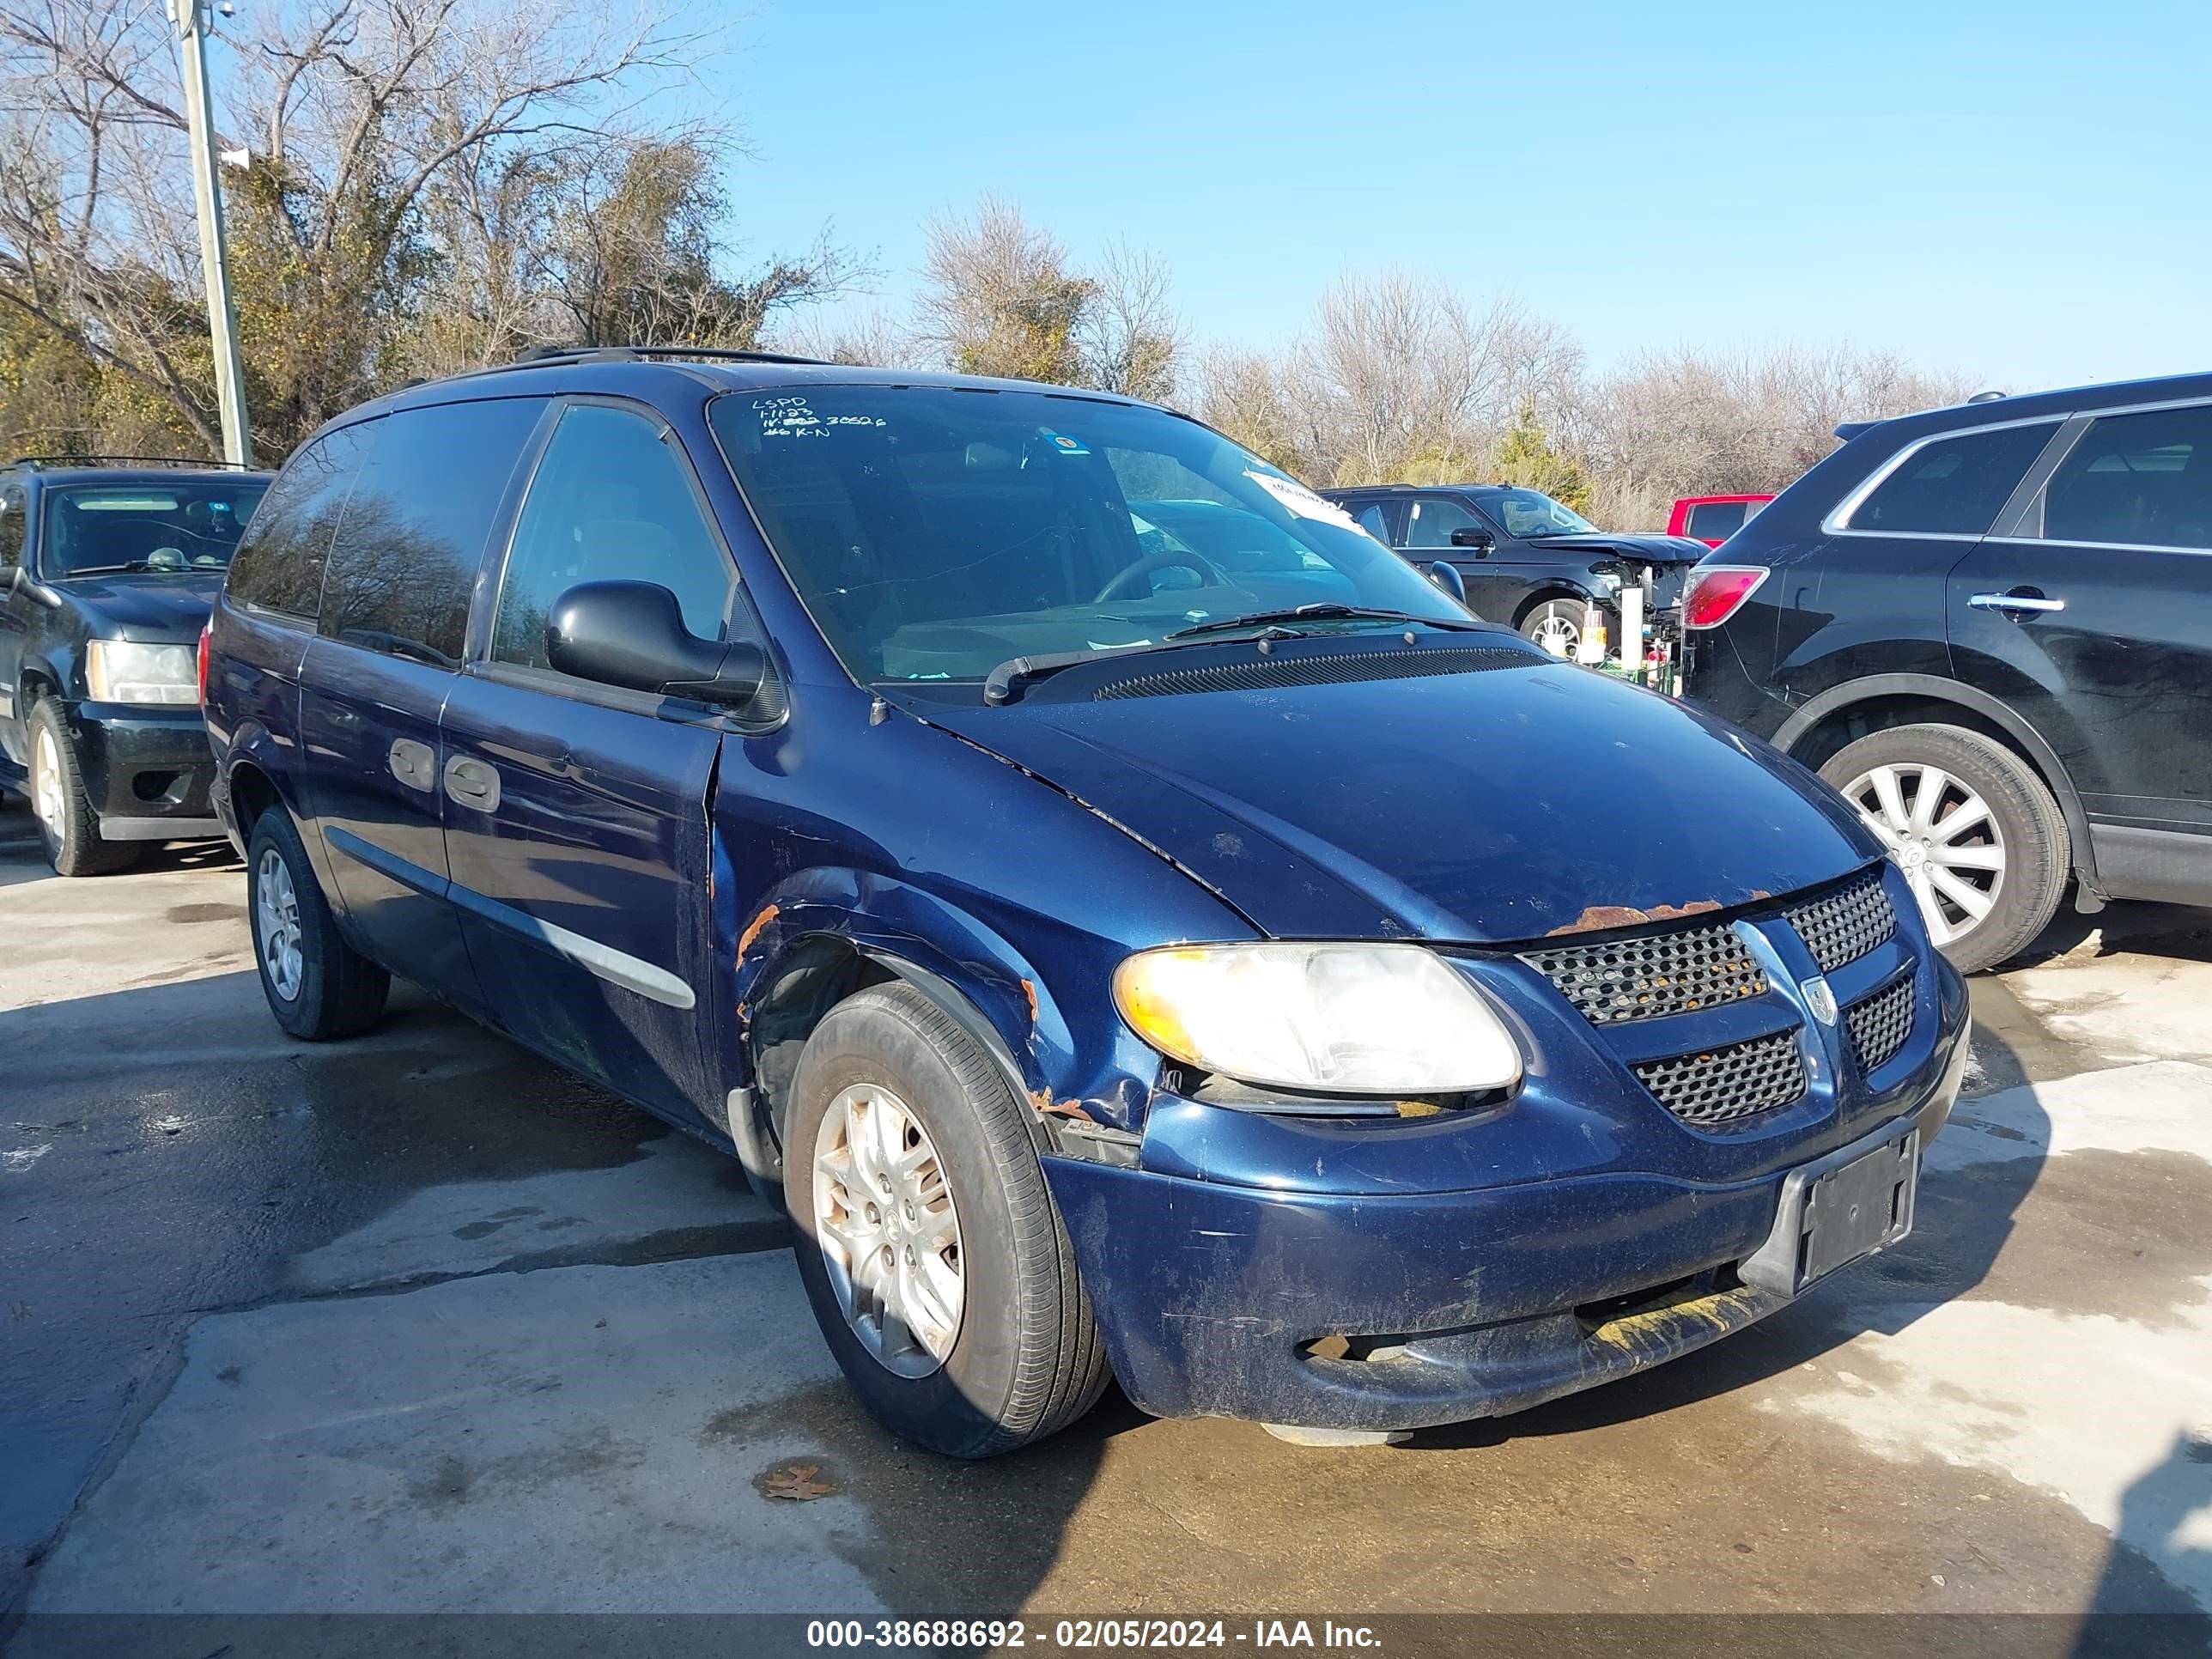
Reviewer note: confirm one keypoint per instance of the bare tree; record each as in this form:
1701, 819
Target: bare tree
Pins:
1128, 336
430, 183
999, 297
1685, 422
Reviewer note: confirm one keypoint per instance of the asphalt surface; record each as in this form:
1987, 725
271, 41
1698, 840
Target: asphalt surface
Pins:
415, 1324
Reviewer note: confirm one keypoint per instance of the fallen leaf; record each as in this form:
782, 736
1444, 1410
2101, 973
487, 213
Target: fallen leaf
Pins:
796, 1481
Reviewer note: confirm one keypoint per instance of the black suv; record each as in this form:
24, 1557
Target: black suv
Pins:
1990, 627
1524, 559
106, 572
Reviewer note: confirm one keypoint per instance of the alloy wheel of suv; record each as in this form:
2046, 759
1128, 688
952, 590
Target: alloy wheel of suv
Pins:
1556, 624
1979, 839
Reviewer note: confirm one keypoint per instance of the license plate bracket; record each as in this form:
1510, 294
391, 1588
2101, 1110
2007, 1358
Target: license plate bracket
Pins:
1836, 1210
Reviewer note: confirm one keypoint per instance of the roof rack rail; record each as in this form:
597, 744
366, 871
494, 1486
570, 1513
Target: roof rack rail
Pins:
549, 357
128, 460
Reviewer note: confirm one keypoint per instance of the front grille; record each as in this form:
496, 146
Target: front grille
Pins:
1846, 924
1720, 1085
1652, 975
1337, 668
1880, 1023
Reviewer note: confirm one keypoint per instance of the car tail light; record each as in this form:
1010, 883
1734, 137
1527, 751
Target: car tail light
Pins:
1716, 592
207, 627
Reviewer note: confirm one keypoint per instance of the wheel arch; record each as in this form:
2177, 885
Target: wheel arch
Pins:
1846, 713
1554, 587
819, 941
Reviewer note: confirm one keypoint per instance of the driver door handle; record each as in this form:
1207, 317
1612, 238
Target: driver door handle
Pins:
2020, 598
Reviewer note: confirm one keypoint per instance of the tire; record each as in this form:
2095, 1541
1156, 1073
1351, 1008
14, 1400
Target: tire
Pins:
331, 990
2014, 858
67, 824
1559, 621
1022, 1357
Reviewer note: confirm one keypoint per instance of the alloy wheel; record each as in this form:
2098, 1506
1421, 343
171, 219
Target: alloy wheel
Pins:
47, 782
1557, 635
276, 921
884, 1219
1941, 835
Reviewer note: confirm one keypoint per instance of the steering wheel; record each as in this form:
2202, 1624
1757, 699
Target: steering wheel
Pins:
1117, 586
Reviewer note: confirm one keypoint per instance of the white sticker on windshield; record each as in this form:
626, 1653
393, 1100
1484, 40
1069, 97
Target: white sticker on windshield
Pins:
1300, 500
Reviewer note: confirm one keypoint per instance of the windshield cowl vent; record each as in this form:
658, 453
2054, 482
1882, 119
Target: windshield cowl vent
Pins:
1273, 673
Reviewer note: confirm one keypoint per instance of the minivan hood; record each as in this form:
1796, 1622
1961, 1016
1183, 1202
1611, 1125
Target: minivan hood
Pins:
1485, 807
146, 606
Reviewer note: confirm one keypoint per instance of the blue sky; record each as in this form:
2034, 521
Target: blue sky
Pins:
2018, 191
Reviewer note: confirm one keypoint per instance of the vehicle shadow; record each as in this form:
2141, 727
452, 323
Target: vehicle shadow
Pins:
2125, 926
2143, 1606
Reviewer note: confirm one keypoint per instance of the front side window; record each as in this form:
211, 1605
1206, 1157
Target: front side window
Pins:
190, 524
1532, 513
1953, 486
405, 562
1430, 519
280, 559
612, 501
2141, 479
935, 532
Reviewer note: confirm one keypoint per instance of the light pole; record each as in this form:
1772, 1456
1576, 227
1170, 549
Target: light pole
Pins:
191, 17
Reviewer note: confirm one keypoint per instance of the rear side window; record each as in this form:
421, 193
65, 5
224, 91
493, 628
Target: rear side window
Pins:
1716, 521
1953, 486
611, 501
405, 562
279, 562
2141, 479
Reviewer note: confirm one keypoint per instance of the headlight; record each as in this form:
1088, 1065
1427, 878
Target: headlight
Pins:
118, 671
1352, 1019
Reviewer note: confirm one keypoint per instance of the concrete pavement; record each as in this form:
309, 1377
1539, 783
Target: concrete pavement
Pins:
414, 1324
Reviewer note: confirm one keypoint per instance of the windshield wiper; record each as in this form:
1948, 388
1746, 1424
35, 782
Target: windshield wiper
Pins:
1000, 687
1323, 610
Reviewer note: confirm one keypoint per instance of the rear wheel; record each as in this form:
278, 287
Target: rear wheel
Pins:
318, 986
935, 1257
67, 826
1980, 840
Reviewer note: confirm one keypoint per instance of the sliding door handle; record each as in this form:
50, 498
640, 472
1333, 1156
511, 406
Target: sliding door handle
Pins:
2019, 599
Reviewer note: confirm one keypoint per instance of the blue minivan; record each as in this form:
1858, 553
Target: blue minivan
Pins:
1238, 972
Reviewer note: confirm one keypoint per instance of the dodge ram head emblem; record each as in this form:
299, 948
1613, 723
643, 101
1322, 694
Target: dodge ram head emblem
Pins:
1820, 1000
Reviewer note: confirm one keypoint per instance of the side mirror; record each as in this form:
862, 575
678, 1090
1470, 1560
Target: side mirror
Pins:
1448, 579
632, 634
1468, 536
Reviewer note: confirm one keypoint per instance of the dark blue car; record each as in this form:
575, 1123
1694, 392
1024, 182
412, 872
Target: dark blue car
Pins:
1250, 978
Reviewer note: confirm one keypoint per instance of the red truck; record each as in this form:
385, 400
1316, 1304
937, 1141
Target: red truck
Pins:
1713, 518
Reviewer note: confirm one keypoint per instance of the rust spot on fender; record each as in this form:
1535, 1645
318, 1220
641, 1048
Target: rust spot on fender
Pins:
1043, 1100
1599, 917
745, 939
1028, 995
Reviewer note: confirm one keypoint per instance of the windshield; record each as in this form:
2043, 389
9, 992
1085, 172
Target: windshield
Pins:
1532, 513
186, 525
935, 532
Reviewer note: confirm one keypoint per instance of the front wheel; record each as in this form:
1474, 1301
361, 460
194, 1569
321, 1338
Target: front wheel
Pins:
931, 1249
1556, 625
67, 826
1981, 842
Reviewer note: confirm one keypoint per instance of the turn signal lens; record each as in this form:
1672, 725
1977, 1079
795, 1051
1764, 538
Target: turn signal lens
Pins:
1716, 592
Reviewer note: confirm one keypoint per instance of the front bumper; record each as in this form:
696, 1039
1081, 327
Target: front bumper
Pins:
1367, 1312
147, 770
